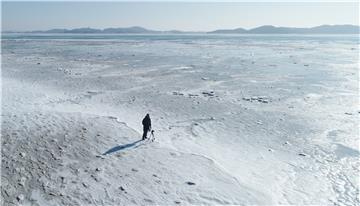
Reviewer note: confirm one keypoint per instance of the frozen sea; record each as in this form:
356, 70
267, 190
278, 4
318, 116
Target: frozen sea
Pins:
238, 119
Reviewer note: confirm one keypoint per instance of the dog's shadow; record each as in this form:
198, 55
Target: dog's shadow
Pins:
121, 147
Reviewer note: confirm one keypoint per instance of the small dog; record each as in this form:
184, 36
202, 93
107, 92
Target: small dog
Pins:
152, 136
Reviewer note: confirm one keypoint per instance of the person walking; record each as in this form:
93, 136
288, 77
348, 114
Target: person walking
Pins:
146, 122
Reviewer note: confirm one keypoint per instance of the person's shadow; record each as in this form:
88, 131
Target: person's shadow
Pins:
121, 147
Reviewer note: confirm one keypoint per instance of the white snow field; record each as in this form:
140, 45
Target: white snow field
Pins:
238, 119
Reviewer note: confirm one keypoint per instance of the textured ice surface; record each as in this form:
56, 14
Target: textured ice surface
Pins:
248, 119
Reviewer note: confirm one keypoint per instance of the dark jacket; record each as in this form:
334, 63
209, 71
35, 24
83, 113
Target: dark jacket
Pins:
147, 122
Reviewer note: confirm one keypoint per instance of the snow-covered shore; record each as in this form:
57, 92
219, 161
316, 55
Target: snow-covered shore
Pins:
252, 121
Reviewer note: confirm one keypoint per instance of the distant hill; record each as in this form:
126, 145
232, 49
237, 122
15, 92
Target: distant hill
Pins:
135, 29
230, 31
268, 29
87, 30
336, 29
272, 29
84, 31
127, 30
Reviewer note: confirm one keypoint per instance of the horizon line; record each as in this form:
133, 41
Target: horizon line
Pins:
168, 30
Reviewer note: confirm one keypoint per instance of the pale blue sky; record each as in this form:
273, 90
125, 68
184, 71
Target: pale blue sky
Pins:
20, 16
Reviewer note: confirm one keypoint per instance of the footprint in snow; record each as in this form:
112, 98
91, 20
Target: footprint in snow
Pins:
122, 189
120, 155
190, 183
173, 154
148, 200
